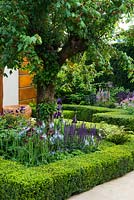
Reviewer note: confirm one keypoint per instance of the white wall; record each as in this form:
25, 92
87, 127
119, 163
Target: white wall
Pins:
10, 88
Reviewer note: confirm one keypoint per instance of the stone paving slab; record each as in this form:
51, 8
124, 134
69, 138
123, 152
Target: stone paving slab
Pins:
117, 189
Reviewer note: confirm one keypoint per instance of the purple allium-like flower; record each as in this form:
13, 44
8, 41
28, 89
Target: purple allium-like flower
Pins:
125, 100
69, 132
92, 131
131, 99
22, 109
59, 101
72, 130
59, 107
57, 114
17, 111
74, 120
66, 131
121, 96
82, 131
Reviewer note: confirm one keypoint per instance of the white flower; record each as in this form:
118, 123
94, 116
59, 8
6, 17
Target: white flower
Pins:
39, 131
51, 125
92, 138
44, 136
86, 142
55, 137
43, 125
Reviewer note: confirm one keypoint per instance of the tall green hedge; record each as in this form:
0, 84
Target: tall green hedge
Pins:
59, 180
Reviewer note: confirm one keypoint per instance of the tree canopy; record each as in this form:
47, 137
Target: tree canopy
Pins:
41, 35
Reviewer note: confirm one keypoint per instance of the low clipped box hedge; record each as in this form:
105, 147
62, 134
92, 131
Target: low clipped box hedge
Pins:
84, 113
59, 180
98, 114
68, 114
116, 118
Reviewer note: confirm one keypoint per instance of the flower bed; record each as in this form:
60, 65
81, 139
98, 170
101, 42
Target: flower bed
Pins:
33, 144
73, 174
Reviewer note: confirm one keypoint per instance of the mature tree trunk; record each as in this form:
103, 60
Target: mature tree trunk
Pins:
1, 93
50, 93
40, 93
45, 95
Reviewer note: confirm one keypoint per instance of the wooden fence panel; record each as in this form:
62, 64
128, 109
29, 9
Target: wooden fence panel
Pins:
27, 91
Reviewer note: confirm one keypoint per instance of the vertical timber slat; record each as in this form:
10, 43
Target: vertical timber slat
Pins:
27, 92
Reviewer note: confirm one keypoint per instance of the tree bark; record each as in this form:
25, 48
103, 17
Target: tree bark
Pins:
45, 94
1, 93
50, 93
40, 93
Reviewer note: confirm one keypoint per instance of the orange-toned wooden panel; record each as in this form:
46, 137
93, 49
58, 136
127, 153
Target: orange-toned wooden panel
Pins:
25, 81
27, 101
27, 93
23, 72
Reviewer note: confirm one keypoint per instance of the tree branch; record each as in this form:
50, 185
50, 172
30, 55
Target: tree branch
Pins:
72, 47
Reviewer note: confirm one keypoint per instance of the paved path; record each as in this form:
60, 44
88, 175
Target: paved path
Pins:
118, 189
